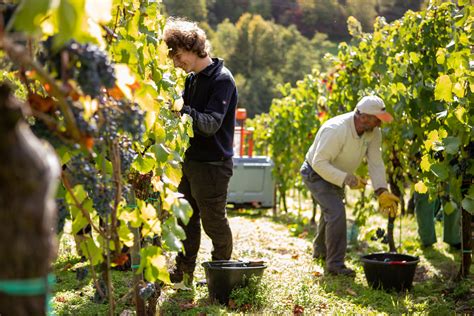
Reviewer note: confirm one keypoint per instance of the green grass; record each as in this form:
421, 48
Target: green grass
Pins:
292, 281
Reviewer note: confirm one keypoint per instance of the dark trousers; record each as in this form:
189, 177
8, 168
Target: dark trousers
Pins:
204, 186
331, 239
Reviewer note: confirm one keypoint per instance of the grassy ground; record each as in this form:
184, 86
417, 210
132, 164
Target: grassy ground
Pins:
293, 283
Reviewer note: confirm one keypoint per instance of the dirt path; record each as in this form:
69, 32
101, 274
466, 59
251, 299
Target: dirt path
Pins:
297, 284
291, 274
260, 238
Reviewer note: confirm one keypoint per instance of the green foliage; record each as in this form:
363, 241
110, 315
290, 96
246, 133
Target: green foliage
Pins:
143, 78
420, 66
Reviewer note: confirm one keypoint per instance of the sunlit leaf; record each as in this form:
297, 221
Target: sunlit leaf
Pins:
443, 89
124, 79
425, 163
126, 236
72, 22
99, 11
182, 210
458, 89
29, 15
148, 211
144, 164
460, 113
420, 187
92, 251
440, 56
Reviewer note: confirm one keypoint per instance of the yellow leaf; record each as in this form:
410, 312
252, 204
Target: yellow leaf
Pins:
150, 118
96, 32
126, 236
443, 88
124, 79
420, 187
459, 113
158, 261
431, 139
171, 199
425, 163
147, 102
178, 104
130, 216
157, 184
441, 56
148, 211
47, 27
90, 106
99, 11
458, 90
442, 134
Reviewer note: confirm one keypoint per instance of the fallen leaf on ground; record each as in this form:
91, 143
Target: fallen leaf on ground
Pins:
232, 304
298, 310
303, 234
351, 292
188, 305
67, 267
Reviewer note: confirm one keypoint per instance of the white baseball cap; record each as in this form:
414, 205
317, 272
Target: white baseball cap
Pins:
374, 105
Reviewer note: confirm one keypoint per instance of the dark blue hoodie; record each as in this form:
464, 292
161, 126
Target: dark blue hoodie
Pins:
210, 98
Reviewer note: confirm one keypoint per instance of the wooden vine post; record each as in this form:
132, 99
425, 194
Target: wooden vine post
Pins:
29, 174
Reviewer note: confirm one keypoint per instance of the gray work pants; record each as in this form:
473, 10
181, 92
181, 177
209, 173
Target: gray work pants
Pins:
204, 186
331, 239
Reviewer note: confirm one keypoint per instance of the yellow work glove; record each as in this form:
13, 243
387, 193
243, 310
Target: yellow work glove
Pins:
354, 182
388, 204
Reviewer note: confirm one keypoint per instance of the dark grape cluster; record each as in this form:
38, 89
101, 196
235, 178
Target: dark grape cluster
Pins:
62, 214
147, 291
41, 130
88, 65
101, 192
127, 155
121, 116
132, 120
102, 198
81, 273
95, 69
86, 128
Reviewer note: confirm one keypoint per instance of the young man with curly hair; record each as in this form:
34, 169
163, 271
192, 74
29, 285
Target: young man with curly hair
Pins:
210, 98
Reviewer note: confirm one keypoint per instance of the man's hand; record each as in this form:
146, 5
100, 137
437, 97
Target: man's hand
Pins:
388, 204
354, 182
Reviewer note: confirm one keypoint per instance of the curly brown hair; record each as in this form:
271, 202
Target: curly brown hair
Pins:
179, 33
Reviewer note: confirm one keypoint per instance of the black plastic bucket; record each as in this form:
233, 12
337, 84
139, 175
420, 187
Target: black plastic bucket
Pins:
390, 271
223, 276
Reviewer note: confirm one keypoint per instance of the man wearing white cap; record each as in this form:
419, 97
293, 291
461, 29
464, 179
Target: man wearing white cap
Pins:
337, 151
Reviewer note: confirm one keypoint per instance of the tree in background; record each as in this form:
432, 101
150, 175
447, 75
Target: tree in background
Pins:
365, 11
263, 54
394, 9
220, 10
310, 16
325, 16
195, 10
